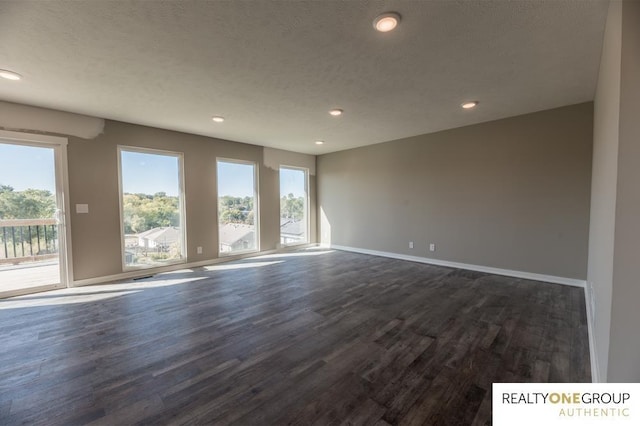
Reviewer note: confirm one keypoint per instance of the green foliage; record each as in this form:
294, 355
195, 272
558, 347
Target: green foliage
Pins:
143, 212
236, 210
292, 207
27, 204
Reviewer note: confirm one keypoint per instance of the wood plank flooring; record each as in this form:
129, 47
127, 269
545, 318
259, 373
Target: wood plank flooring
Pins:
310, 337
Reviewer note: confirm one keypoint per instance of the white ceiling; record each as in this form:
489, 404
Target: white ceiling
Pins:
274, 68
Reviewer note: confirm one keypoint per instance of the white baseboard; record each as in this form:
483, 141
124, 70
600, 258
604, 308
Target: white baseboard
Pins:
178, 266
593, 353
490, 270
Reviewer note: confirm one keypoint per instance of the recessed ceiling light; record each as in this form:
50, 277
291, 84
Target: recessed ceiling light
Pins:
10, 75
469, 105
217, 119
319, 142
386, 22
336, 112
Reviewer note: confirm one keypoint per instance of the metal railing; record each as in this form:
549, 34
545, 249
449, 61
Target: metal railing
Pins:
25, 240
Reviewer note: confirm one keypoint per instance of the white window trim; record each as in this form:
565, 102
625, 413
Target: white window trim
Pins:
256, 203
306, 204
182, 204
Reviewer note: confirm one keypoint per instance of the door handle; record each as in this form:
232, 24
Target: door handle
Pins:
58, 216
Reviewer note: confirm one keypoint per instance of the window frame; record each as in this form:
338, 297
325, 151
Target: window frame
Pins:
181, 206
307, 206
256, 204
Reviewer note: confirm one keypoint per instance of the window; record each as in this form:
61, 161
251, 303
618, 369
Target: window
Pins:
294, 202
237, 207
152, 207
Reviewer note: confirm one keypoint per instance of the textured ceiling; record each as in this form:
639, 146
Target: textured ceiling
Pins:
274, 68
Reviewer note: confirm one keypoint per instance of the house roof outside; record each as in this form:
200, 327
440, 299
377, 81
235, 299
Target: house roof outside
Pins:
163, 235
230, 233
292, 227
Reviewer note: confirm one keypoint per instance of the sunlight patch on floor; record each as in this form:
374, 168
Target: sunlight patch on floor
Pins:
232, 266
93, 293
89, 294
296, 254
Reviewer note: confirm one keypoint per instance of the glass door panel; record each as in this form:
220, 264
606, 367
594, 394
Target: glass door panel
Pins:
30, 227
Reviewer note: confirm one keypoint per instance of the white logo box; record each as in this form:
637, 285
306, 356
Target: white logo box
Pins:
552, 404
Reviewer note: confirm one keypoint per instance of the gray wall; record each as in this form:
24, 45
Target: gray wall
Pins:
93, 180
603, 186
624, 349
511, 194
614, 233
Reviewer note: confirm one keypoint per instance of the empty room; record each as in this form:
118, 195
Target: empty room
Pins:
319, 212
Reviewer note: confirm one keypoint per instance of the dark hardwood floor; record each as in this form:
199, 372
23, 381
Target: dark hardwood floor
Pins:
311, 337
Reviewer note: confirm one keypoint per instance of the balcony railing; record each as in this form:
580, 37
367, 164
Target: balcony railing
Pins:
27, 240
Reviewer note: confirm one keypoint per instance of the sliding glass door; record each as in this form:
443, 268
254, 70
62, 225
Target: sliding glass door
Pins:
32, 232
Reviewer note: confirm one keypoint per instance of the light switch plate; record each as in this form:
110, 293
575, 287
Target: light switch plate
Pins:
82, 208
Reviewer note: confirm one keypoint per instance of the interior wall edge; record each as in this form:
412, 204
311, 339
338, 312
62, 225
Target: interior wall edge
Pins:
602, 220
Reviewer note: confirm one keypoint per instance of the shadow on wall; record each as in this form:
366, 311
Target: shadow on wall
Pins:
325, 228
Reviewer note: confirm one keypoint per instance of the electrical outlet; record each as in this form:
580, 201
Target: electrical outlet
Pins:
410, 244
432, 247
199, 250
